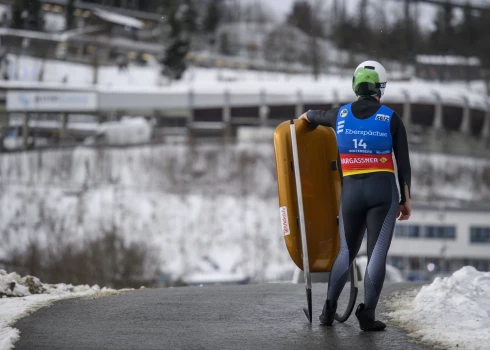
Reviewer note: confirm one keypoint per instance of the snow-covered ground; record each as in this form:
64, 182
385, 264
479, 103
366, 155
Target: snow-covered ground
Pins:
58, 74
452, 312
20, 296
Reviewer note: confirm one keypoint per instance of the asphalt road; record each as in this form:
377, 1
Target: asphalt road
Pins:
265, 316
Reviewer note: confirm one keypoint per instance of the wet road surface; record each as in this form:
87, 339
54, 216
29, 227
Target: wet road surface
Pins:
267, 316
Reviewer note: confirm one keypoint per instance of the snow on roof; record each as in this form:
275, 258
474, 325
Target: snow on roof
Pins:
54, 22
35, 35
4, 10
29, 34
55, 124
118, 18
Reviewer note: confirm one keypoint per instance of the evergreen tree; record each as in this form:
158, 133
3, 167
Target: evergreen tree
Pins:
443, 35
17, 20
224, 44
344, 30
404, 39
233, 11
213, 16
35, 19
413, 38
362, 23
69, 16
468, 32
380, 29
282, 46
303, 18
181, 23
363, 40
190, 16
483, 41
255, 13
396, 48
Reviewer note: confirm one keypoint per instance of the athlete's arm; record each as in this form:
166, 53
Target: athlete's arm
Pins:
405, 209
319, 117
400, 148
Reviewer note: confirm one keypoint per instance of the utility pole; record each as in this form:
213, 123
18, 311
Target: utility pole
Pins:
408, 30
317, 55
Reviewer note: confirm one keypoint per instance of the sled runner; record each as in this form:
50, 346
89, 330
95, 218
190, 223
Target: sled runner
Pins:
309, 213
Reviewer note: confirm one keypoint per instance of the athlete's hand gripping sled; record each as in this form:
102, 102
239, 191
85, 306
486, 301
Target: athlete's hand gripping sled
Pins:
308, 156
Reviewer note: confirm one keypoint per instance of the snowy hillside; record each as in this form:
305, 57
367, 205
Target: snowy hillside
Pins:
60, 74
425, 12
207, 208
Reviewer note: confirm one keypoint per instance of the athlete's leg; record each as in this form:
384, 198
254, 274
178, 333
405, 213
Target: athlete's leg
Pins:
382, 193
352, 225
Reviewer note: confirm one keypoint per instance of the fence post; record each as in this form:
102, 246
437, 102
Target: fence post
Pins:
336, 99
465, 124
485, 134
190, 114
299, 103
64, 125
25, 131
190, 107
438, 112
227, 113
264, 109
407, 108
437, 140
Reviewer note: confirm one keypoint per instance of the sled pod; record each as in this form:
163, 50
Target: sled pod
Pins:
320, 185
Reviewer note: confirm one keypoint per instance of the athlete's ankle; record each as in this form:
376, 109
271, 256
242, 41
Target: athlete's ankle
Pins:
328, 314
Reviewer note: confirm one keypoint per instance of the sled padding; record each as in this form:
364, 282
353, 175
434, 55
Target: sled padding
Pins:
320, 188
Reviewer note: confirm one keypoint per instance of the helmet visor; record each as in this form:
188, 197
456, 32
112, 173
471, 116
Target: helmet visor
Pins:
367, 89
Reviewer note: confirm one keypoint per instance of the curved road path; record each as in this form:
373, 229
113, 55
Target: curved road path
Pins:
266, 316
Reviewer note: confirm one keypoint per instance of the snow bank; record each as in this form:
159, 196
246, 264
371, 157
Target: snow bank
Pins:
23, 295
452, 311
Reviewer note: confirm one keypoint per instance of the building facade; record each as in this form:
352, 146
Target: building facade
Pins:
438, 242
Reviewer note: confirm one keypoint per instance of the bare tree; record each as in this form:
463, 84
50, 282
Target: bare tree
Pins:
256, 12
306, 17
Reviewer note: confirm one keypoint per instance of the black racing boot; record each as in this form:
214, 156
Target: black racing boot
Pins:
328, 313
366, 319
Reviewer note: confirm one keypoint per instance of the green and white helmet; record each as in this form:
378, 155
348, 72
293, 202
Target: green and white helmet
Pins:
369, 79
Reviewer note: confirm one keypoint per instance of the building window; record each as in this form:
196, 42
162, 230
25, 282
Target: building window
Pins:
480, 234
411, 231
397, 261
479, 264
414, 263
441, 232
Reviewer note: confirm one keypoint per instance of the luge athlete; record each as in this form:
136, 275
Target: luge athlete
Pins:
368, 133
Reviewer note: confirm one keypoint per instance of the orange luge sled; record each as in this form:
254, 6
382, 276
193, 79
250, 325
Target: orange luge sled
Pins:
309, 197
320, 184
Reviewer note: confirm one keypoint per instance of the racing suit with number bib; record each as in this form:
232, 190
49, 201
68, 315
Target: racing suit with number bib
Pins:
367, 134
